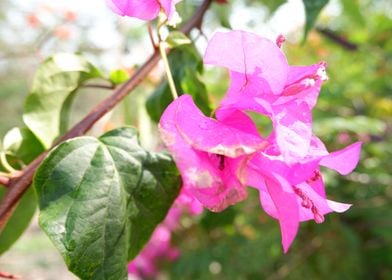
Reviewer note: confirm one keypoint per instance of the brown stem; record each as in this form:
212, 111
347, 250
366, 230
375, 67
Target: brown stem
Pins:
338, 39
151, 35
4, 181
19, 185
6, 275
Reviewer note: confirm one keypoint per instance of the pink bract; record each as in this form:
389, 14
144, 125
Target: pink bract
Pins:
218, 158
296, 193
208, 152
263, 82
142, 9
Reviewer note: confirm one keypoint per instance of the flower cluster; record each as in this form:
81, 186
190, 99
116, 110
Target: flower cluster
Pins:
219, 157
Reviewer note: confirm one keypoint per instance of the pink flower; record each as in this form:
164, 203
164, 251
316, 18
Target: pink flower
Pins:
219, 157
263, 82
287, 171
143, 9
208, 152
296, 193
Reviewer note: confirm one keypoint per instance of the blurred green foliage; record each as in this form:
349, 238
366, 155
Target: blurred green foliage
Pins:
355, 104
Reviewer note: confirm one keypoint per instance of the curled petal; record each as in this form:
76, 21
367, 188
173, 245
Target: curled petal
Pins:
318, 200
303, 84
299, 73
345, 160
217, 137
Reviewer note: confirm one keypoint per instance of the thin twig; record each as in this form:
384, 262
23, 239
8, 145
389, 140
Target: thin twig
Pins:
151, 35
109, 87
6, 275
4, 181
19, 185
338, 39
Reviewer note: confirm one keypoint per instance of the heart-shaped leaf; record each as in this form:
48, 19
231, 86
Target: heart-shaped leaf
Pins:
101, 199
47, 107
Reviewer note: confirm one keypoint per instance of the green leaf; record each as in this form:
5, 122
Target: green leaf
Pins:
101, 199
47, 107
118, 76
353, 10
187, 80
19, 220
176, 39
312, 10
22, 144
222, 14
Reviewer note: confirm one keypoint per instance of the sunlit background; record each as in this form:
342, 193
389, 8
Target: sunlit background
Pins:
353, 37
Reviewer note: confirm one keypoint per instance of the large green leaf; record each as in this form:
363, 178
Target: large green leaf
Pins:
186, 66
312, 10
46, 111
19, 220
101, 199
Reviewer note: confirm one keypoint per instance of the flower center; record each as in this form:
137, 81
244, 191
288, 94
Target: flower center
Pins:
308, 203
314, 178
221, 162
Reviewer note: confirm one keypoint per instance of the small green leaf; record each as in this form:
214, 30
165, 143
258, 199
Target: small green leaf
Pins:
19, 220
312, 10
101, 199
187, 80
47, 107
118, 76
22, 144
176, 39
222, 14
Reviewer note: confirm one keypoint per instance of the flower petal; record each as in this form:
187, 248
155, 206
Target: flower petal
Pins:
287, 209
214, 185
210, 135
278, 200
248, 54
142, 9
293, 129
169, 6
345, 160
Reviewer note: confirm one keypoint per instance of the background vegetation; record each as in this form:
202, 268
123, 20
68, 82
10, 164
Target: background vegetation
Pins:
353, 37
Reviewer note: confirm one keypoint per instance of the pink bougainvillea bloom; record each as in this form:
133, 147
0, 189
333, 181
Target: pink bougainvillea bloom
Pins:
208, 152
296, 193
218, 157
262, 81
143, 9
